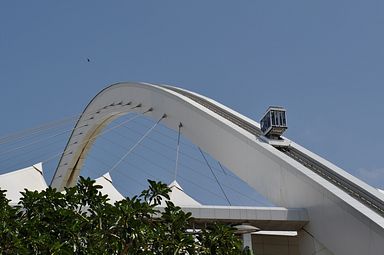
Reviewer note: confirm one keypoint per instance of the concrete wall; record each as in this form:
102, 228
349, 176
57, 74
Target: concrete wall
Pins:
275, 245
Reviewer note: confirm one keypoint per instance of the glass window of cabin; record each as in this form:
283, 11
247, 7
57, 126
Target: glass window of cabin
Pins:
273, 118
265, 122
278, 116
268, 120
262, 124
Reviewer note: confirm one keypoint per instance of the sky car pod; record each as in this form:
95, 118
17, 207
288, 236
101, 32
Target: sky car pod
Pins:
274, 122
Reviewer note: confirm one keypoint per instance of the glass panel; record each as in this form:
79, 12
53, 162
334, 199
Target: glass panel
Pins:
277, 119
269, 120
265, 122
262, 124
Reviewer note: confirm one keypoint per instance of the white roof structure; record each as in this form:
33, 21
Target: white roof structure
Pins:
109, 189
179, 197
30, 178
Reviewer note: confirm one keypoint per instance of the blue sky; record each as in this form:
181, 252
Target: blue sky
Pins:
322, 60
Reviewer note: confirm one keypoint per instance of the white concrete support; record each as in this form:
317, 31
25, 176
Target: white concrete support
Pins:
309, 245
251, 219
247, 241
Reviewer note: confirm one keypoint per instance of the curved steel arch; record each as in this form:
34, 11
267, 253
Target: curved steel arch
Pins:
233, 140
122, 98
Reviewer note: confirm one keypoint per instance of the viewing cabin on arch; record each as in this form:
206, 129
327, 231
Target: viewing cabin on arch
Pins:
273, 124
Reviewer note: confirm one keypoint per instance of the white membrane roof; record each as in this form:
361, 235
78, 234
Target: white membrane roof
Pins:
30, 178
179, 197
109, 189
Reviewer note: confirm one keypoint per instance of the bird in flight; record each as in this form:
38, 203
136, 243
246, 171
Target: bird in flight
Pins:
88, 60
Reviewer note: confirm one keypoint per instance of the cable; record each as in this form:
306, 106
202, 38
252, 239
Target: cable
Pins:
202, 154
166, 169
31, 131
177, 150
138, 142
38, 141
49, 125
31, 160
166, 145
94, 137
109, 129
106, 165
159, 167
52, 136
164, 134
218, 162
232, 176
181, 177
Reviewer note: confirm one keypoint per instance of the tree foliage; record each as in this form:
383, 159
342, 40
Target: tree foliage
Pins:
82, 221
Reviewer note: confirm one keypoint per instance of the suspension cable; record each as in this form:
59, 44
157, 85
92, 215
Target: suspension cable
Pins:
217, 180
36, 130
110, 129
64, 132
105, 131
136, 144
49, 125
61, 152
222, 168
168, 158
177, 150
184, 144
169, 136
180, 163
167, 170
37, 141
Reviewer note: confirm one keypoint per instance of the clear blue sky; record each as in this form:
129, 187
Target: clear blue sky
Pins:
322, 60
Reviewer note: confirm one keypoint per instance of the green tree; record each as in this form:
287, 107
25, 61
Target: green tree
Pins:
220, 239
81, 221
9, 227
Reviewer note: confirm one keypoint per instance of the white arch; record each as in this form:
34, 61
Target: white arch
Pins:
284, 181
